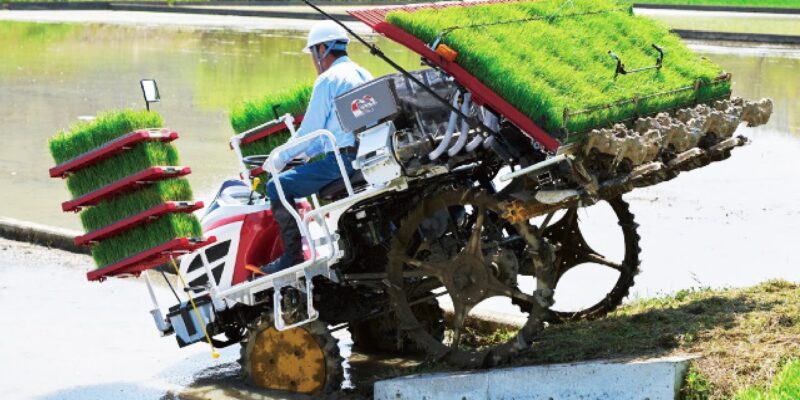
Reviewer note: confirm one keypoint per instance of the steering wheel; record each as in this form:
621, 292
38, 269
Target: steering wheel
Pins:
258, 160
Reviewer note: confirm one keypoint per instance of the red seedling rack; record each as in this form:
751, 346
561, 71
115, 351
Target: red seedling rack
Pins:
111, 148
135, 264
134, 181
256, 172
481, 94
265, 130
138, 219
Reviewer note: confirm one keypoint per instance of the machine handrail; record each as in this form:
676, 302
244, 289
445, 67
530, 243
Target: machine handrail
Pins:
273, 170
236, 142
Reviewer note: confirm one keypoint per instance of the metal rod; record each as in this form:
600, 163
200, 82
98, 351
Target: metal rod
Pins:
170, 286
533, 168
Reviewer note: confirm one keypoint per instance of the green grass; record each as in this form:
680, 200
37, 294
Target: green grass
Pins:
548, 65
742, 336
250, 114
785, 385
734, 3
86, 136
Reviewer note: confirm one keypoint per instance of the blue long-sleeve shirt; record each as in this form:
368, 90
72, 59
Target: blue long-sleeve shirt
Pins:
342, 76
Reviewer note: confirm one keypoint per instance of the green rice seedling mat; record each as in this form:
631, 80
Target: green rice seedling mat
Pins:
253, 113
87, 137
551, 60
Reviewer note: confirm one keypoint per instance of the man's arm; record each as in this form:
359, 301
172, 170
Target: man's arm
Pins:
315, 117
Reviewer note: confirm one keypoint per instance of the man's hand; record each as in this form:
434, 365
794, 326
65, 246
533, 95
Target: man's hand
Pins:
276, 162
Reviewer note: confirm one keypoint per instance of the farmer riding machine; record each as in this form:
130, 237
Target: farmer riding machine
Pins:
461, 194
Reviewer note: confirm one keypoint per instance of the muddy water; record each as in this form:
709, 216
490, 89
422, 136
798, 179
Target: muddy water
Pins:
727, 21
735, 223
50, 75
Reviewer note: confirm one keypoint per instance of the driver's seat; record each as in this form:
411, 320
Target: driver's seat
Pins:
337, 190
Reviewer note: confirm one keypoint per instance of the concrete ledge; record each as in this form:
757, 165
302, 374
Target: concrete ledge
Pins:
309, 15
44, 235
687, 7
738, 37
657, 379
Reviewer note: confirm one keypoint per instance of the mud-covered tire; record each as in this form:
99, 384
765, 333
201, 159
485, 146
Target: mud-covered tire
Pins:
305, 359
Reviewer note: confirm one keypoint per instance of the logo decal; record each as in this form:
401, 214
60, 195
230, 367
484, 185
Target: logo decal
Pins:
364, 105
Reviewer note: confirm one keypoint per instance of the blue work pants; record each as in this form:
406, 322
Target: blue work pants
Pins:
308, 179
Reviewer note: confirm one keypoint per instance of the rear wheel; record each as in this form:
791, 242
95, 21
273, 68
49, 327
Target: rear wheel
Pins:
305, 359
456, 244
381, 334
574, 250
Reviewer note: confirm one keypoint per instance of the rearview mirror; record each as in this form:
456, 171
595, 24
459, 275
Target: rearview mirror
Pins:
150, 92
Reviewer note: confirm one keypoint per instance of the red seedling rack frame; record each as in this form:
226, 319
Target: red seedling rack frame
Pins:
111, 148
256, 172
481, 94
134, 181
153, 257
260, 133
138, 219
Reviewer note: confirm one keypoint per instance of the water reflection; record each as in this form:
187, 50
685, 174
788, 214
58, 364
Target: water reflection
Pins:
50, 74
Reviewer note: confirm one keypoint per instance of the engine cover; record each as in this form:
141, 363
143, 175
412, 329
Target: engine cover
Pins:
375, 157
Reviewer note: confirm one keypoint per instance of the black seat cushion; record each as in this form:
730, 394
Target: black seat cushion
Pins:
337, 190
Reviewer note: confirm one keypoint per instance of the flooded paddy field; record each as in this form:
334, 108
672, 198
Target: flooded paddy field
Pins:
777, 24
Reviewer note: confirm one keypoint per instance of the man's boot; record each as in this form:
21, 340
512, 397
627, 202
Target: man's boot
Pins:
290, 235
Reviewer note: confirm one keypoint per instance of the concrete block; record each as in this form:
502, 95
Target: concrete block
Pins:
656, 379
44, 235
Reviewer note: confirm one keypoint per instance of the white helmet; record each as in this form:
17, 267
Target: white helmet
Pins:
323, 32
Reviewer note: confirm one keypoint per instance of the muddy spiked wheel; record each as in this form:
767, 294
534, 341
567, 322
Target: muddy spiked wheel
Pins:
381, 334
456, 241
573, 250
302, 360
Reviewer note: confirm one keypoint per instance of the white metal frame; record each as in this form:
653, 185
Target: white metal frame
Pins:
299, 276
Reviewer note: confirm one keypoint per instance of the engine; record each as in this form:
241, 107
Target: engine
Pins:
404, 130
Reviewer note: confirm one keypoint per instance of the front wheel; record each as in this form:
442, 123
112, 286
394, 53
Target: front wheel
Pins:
304, 360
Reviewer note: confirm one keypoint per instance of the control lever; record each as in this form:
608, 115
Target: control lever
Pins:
256, 182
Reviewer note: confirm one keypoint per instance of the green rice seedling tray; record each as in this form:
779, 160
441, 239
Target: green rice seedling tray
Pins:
122, 172
550, 61
150, 258
111, 148
253, 118
129, 183
135, 220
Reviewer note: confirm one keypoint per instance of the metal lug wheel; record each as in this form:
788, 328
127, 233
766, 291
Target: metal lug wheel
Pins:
572, 249
463, 248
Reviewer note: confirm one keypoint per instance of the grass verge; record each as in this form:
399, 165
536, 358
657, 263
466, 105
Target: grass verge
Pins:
86, 136
747, 340
743, 336
551, 60
786, 385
